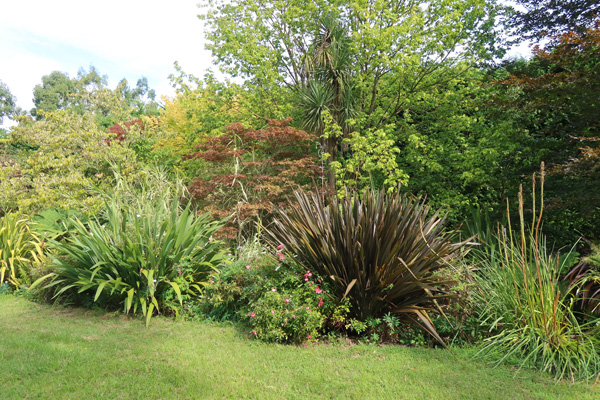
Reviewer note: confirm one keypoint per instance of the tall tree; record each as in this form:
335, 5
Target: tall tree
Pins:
556, 96
544, 18
330, 88
7, 102
140, 97
60, 92
53, 93
395, 51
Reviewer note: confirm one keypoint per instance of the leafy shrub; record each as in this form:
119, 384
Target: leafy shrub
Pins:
380, 251
147, 254
523, 305
21, 251
285, 317
66, 154
276, 297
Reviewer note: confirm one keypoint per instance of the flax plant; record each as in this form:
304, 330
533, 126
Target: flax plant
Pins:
378, 250
524, 307
20, 250
147, 252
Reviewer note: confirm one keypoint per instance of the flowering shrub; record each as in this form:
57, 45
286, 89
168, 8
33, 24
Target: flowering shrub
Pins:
285, 317
279, 299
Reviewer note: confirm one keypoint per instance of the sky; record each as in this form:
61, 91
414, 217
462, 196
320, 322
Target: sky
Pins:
121, 38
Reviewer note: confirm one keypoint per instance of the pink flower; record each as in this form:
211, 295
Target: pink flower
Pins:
281, 246
320, 302
254, 332
281, 257
247, 267
318, 291
293, 316
287, 300
307, 307
272, 311
273, 290
309, 336
252, 315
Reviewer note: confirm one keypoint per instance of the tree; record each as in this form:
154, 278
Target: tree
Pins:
88, 91
7, 102
64, 157
141, 97
247, 171
556, 97
330, 88
59, 92
544, 18
395, 50
394, 44
53, 93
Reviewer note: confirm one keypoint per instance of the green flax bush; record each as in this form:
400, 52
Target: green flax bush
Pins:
145, 252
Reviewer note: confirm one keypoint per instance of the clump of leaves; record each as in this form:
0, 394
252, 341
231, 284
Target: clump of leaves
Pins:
378, 250
146, 254
55, 223
522, 304
20, 251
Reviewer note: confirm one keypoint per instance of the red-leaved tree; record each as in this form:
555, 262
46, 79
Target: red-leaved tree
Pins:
247, 171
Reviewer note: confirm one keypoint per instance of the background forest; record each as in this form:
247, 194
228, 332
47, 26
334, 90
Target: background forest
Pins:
363, 168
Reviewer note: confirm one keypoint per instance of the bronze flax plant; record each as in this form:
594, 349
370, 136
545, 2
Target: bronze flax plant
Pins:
380, 251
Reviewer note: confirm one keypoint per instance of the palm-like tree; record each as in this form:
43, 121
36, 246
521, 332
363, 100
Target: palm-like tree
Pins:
329, 85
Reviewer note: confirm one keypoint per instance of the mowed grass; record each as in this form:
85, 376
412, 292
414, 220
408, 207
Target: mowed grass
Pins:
63, 353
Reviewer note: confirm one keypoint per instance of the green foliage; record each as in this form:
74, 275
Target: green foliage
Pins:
555, 97
542, 18
371, 159
63, 157
459, 148
55, 223
52, 94
524, 306
147, 253
285, 317
201, 108
380, 251
21, 251
270, 44
88, 92
7, 102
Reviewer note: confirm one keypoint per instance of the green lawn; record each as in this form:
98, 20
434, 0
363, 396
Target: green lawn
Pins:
54, 352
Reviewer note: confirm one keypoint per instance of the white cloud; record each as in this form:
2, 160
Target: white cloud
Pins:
121, 38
